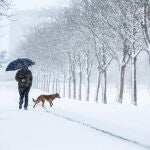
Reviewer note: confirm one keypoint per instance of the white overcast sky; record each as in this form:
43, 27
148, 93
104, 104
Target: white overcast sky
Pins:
25, 5
36, 4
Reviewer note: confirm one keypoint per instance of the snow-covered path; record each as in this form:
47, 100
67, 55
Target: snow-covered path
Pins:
35, 129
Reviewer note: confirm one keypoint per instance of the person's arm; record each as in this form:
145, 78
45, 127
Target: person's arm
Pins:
30, 76
18, 77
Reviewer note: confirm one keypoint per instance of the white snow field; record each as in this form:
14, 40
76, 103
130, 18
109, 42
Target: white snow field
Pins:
70, 124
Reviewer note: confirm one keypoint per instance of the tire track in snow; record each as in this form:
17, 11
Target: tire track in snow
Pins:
99, 130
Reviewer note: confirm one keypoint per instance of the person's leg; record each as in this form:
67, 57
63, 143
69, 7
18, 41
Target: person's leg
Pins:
21, 93
26, 97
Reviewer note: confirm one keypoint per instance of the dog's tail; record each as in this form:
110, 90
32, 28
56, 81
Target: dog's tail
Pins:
34, 100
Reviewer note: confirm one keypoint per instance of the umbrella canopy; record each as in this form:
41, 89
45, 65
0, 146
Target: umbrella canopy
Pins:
19, 64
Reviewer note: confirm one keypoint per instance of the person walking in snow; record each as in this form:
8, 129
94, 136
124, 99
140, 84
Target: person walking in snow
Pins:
24, 79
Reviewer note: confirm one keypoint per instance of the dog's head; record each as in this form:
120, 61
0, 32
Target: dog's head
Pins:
57, 95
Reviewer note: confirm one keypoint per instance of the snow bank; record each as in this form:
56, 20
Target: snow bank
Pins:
126, 121
129, 122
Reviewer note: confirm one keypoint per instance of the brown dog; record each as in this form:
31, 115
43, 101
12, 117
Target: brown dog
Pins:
43, 98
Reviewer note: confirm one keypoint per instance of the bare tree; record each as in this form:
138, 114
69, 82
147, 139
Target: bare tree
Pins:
89, 64
5, 8
89, 35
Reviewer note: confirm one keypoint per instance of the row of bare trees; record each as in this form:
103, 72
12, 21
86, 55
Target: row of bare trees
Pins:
5, 13
6, 9
84, 40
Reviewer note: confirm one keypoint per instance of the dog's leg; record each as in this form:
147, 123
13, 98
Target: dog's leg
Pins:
36, 103
51, 104
43, 103
43, 100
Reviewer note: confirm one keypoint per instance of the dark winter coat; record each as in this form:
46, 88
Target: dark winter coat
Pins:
24, 78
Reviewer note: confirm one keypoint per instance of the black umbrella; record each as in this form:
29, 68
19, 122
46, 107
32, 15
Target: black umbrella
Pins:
19, 64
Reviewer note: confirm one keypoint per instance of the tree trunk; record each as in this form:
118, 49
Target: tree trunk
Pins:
56, 85
35, 81
88, 74
41, 81
74, 86
134, 82
44, 80
88, 88
69, 87
64, 86
69, 82
104, 88
74, 80
48, 83
97, 87
38, 86
80, 86
121, 84
53, 85
48, 86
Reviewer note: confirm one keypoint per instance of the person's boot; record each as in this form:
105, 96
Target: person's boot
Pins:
20, 106
25, 108
20, 102
26, 102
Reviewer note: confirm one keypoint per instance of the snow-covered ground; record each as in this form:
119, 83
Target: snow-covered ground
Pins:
70, 124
